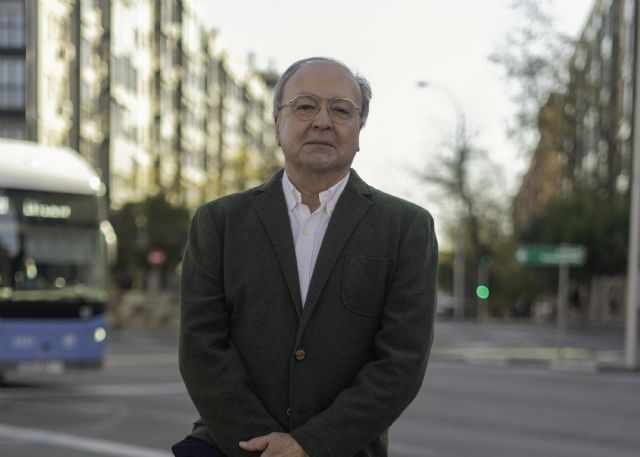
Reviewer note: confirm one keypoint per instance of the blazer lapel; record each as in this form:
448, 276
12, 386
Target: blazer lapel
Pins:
272, 210
349, 210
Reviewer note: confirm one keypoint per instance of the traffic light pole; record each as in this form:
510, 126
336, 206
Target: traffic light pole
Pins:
561, 310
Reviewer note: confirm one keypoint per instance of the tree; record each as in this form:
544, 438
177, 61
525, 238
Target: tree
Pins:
588, 219
465, 177
534, 59
152, 224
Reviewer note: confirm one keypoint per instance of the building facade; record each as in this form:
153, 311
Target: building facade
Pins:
586, 137
90, 93
142, 90
131, 155
13, 66
599, 101
585, 132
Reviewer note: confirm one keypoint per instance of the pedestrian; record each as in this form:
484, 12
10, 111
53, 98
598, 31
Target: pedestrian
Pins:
307, 302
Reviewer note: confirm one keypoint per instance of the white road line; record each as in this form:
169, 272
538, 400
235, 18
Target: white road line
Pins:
409, 450
128, 360
103, 390
102, 447
135, 390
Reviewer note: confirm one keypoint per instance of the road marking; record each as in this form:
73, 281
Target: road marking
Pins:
410, 450
102, 447
128, 360
136, 390
104, 390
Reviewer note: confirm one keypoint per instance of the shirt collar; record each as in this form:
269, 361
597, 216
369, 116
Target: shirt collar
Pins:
328, 198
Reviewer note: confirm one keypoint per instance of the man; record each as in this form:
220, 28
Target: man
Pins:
307, 303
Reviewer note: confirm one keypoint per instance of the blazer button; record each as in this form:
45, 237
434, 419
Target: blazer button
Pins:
288, 412
300, 354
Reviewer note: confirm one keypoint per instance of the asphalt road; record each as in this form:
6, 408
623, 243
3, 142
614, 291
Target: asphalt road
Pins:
137, 407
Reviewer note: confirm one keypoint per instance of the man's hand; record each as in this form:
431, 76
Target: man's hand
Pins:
274, 445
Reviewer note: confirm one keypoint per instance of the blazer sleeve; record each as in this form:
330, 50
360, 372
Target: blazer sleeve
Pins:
386, 385
211, 367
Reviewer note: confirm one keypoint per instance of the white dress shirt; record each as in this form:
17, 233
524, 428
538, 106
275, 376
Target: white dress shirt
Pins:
308, 228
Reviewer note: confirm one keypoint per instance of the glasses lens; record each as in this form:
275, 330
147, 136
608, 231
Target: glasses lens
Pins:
305, 107
342, 110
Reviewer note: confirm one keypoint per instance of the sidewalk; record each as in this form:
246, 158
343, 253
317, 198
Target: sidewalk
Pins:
581, 348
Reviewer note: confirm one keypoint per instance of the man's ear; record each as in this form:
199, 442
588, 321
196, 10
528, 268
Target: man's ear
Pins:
278, 132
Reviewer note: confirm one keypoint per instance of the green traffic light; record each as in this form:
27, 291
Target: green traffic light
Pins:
482, 292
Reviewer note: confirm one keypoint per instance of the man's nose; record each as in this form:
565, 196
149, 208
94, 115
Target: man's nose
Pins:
322, 120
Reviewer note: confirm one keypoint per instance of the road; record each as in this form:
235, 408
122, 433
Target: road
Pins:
137, 407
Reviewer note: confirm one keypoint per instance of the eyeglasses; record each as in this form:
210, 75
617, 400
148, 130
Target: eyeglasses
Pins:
305, 107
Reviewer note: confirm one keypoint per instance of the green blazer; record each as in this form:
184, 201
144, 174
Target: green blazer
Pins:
336, 372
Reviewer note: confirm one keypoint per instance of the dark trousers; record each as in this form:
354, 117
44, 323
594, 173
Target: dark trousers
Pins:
193, 447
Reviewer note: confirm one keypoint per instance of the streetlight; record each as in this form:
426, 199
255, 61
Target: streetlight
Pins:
458, 253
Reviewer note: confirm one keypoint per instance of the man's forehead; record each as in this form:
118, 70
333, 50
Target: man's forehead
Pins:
328, 76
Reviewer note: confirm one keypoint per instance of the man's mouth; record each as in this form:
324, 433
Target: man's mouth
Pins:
319, 143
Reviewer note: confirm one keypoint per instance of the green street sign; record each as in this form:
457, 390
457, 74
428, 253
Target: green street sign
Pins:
552, 255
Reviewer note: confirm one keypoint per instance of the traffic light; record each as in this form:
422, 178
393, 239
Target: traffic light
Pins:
482, 292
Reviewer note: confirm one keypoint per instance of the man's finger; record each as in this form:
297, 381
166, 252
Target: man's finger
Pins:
259, 443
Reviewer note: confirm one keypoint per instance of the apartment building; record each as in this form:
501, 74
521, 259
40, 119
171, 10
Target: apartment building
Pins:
599, 101
586, 130
54, 74
142, 90
90, 82
193, 109
131, 155
167, 88
13, 76
36, 52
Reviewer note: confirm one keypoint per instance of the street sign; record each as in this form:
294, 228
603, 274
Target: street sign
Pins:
552, 255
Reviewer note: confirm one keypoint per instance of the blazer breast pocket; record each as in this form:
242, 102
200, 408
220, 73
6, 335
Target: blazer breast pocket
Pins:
364, 284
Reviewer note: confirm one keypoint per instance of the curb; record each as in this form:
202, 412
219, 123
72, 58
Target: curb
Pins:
561, 359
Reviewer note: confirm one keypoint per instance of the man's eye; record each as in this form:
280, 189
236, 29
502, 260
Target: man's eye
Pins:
342, 112
304, 108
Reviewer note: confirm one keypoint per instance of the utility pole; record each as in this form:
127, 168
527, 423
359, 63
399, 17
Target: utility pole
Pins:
633, 276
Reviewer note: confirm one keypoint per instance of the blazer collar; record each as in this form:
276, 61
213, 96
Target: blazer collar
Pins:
272, 210
351, 206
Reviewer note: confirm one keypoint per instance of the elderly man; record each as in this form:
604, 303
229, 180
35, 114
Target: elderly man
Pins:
307, 302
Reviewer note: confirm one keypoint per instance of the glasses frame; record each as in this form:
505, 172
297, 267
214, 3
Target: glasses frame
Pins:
319, 100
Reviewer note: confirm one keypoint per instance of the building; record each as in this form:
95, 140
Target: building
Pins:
599, 100
90, 82
585, 140
585, 137
131, 93
36, 55
542, 180
139, 88
13, 75
46, 94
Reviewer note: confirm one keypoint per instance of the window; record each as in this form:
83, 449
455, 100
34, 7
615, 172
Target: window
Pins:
12, 83
12, 24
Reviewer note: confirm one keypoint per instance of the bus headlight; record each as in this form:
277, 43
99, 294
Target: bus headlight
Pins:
99, 335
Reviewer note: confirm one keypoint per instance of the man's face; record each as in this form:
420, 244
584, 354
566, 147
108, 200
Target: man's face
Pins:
319, 145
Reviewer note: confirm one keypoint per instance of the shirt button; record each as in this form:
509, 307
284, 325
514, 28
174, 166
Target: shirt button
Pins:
300, 354
300, 273
305, 232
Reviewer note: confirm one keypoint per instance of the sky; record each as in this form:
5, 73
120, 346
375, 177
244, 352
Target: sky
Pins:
395, 45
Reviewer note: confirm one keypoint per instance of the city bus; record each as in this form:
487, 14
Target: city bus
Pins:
55, 247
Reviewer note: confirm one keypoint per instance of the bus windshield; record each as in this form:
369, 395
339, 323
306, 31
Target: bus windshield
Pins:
45, 260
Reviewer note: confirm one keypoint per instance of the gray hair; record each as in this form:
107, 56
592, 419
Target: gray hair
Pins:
365, 87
